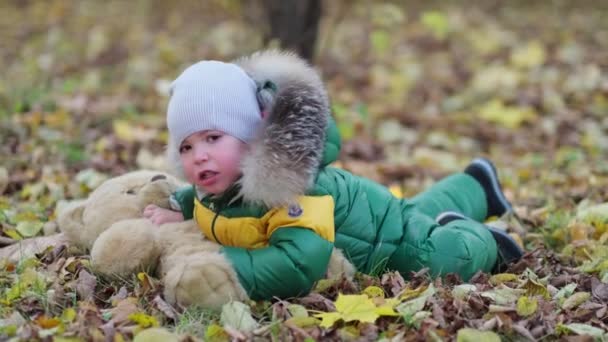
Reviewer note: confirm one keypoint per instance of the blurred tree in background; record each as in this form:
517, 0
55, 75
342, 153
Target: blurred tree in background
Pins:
295, 23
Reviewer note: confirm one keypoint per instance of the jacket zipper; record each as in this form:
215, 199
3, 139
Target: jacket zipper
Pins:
217, 213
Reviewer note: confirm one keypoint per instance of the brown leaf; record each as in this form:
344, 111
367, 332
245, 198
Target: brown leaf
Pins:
394, 281
599, 290
165, 308
523, 332
318, 302
85, 285
120, 295
124, 308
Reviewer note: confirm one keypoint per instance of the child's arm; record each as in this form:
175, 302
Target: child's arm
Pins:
295, 259
160, 215
298, 252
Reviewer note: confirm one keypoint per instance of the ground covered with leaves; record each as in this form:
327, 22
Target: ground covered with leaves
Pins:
417, 92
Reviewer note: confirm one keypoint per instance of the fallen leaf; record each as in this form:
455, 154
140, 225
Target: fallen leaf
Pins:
502, 278
350, 308
584, 329
473, 335
374, 292
238, 316
85, 285
526, 306
462, 291
29, 228
164, 307
156, 335
297, 310
215, 332
144, 320
123, 310
47, 322
575, 300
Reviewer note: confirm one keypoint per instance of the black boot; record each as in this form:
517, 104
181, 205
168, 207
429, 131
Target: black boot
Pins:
484, 172
508, 250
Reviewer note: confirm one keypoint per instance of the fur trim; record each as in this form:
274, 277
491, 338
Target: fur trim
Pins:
288, 149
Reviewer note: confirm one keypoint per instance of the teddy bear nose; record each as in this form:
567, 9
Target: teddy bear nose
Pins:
158, 177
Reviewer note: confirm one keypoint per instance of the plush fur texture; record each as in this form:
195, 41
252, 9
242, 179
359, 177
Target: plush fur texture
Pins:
288, 149
193, 270
110, 224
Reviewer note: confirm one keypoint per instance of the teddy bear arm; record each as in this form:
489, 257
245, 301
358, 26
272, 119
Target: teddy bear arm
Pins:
70, 222
127, 247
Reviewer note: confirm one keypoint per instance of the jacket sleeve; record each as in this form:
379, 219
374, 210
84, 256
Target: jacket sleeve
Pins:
183, 200
293, 261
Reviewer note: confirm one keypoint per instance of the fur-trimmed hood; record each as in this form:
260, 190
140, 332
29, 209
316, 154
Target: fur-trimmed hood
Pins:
288, 149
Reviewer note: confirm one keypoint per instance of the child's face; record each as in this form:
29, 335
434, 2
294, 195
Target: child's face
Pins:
211, 160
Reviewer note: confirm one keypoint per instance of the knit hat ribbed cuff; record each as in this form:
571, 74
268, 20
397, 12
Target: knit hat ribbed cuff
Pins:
212, 95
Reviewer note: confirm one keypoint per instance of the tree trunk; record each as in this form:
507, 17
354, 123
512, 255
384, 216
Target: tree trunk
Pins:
295, 23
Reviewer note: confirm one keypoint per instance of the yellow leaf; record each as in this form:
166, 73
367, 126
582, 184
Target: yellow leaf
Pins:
396, 190
143, 320
350, 308
123, 130
46, 322
303, 322
473, 335
526, 306
297, 310
411, 293
328, 318
502, 278
578, 231
575, 300
535, 288
13, 234
583, 329
386, 310
215, 332
324, 284
512, 117
29, 228
356, 307
528, 55
156, 335
374, 291
436, 22
68, 315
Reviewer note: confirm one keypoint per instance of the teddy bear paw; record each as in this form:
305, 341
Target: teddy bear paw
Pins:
205, 279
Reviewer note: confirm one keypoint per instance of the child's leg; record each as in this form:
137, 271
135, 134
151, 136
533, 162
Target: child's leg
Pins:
458, 192
461, 246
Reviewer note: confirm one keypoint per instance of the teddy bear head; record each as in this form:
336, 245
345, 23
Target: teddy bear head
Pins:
120, 198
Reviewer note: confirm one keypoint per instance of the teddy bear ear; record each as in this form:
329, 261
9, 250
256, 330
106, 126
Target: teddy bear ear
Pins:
71, 223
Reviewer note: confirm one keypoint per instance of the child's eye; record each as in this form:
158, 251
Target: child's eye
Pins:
184, 148
213, 138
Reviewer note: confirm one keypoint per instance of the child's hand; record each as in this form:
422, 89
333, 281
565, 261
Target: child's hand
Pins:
160, 215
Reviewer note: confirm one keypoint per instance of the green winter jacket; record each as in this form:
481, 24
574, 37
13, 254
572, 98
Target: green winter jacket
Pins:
375, 231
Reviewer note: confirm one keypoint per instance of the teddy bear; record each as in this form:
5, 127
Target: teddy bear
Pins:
109, 223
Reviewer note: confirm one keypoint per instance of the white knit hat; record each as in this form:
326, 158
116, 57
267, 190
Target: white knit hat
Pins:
213, 95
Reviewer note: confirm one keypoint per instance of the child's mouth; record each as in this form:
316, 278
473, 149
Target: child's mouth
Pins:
205, 175
207, 178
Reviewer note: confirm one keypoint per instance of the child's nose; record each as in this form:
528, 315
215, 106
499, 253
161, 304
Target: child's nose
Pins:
200, 154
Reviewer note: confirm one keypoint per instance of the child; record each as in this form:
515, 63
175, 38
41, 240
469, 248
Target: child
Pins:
255, 138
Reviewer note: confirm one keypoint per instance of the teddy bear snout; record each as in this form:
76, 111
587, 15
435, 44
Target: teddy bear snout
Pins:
158, 177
